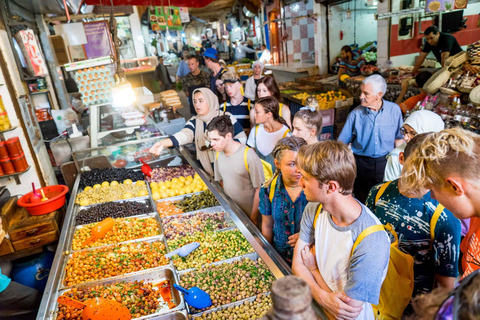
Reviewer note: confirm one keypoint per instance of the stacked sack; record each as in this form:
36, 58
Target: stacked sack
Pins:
170, 98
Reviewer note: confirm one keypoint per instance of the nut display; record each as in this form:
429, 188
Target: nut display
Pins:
167, 208
113, 210
141, 298
85, 266
168, 173
177, 186
97, 176
124, 229
180, 226
111, 192
230, 282
214, 246
197, 201
245, 311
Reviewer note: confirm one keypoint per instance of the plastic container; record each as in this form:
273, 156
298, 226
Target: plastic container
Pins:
7, 166
33, 271
3, 151
56, 199
19, 163
4, 120
1, 171
14, 147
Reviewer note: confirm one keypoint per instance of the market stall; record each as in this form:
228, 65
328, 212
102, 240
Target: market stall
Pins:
289, 71
177, 205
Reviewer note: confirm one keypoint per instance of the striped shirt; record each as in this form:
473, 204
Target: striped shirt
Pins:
352, 67
241, 111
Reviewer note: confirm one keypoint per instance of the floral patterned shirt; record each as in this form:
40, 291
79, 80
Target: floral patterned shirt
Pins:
286, 216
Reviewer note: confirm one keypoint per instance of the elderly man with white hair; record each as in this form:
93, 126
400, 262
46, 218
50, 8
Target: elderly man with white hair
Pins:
373, 130
251, 83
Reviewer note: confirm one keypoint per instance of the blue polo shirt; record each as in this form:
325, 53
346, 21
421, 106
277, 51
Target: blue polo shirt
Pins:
373, 133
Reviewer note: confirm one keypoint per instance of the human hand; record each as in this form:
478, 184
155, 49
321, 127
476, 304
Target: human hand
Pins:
157, 148
292, 240
336, 305
309, 259
406, 82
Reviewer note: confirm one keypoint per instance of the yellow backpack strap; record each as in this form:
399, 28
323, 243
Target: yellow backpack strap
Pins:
381, 191
433, 222
272, 188
248, 104
320, 206
216, 156
225, 106
365, 233
245, 160
286, 132
280, 110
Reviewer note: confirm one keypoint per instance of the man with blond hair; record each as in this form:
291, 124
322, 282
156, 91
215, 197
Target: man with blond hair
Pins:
237, 104
373, 129
448, 164
346, 284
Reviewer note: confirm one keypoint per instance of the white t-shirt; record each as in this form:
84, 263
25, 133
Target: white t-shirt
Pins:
266, 141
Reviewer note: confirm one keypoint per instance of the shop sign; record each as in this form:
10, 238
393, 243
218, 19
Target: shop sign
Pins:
184, 16
161, 17
445, 5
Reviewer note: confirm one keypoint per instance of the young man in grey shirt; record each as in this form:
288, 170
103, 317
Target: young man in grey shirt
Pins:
239, 168
345, 284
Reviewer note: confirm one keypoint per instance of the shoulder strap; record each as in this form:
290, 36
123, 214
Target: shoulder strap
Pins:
381, 191
433, 222
272, 188
216, 156
248, 104
319, 209
365, 233
245, 160
280, 107
225, 106
286, 132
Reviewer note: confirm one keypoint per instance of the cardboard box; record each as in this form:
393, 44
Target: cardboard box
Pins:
60, 50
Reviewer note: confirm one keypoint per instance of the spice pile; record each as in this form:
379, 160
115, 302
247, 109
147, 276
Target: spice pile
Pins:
230, 282
180, 226
214, 246
112, 210
124, 229
85, 266
168, 173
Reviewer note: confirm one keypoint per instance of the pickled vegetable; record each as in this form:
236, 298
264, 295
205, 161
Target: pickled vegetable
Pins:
197, 201
110, 193
180, 226
245, 311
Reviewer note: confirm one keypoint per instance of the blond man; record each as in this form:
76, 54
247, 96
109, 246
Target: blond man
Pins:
345, 284
237, 104
448, 164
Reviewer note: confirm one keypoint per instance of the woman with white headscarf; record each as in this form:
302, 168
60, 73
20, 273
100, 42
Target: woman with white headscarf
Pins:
207, 108
251, 83
421, 121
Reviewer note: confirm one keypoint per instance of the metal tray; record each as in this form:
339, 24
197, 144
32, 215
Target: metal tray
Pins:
251, 256
207, 210
90, 205
177, 315
148, 276
150, 215
149, 240
145, 200
225, 306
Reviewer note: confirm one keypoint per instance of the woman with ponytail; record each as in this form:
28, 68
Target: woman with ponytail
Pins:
269, 130
282, 199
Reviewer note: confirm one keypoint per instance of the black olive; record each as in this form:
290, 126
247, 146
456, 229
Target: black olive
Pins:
113, 210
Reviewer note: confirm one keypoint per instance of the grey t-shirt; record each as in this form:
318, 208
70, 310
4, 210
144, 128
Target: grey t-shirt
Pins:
238, 182
366, 267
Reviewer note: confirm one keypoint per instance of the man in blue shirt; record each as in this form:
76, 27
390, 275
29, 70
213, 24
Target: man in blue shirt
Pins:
183, 69
373, 130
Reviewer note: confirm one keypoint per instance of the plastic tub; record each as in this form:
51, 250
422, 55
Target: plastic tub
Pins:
7, 166
3, 151
20, 163
56, 199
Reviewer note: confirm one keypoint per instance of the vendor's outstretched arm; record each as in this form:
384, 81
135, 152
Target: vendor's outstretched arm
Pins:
419, 62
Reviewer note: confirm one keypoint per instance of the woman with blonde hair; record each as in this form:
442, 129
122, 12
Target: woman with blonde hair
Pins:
282, 200
448, 164
307, 124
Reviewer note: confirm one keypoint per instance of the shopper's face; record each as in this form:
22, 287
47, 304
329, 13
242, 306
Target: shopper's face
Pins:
200, 104
459, 204
193, 65
310, 187
343, 54
432, 38
217, 142
257, 70
368, 97
301, 131
220, 86
260, 115
409, 133
262, 91
232, 88
288, 167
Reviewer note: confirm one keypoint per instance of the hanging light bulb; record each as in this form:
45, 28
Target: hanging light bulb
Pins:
348, 14
123, 94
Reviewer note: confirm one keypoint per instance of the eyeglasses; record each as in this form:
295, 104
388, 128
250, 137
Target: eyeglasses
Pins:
410, 133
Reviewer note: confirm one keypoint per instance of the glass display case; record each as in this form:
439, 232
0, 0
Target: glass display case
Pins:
232, 242
109, 127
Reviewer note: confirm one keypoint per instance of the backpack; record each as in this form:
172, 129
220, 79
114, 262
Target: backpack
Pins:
397, 288
267, 169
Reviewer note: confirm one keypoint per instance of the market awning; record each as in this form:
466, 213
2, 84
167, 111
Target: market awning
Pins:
175, 3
